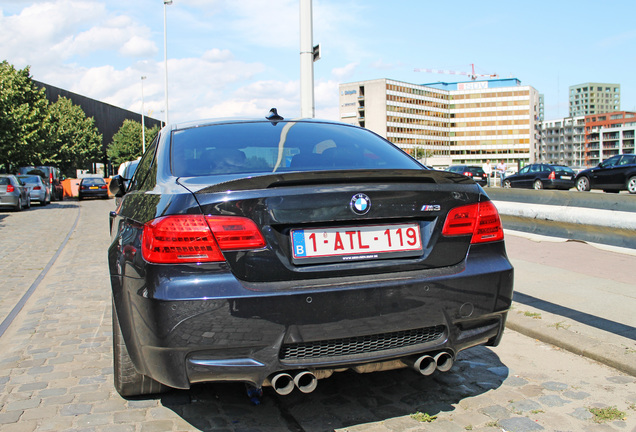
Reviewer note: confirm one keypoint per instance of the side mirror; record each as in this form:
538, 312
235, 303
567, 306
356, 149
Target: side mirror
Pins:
117, 186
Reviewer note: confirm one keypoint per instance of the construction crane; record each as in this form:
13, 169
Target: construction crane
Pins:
473, 76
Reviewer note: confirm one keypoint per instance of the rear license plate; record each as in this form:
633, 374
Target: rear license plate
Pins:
342, 244
93, 187
566, 177
477, 178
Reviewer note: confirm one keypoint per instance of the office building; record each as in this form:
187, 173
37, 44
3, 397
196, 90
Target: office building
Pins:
449, 123
609, 134
594, 98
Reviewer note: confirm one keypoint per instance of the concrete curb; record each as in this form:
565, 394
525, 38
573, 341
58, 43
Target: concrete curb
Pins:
608, 354
571, 215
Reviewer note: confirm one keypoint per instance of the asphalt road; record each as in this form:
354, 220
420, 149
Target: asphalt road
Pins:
56, 366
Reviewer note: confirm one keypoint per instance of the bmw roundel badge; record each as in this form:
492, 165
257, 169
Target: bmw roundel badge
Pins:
360, 204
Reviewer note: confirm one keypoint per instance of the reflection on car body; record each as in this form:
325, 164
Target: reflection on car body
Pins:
612, 175
541, 176
475, 172
277, 252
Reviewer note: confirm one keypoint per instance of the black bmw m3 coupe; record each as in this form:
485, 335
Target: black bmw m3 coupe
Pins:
277, 252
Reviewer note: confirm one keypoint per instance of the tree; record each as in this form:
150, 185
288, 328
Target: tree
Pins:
77, 142
126, 145
23, 119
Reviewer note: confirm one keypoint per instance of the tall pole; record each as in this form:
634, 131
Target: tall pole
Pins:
143, 124
307, 109
165, 49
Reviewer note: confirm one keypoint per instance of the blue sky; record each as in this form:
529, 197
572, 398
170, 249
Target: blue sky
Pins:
240, 58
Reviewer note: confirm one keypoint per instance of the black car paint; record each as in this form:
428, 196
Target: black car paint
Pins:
191, 323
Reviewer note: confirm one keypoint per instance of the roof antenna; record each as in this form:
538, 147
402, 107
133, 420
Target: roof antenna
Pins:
273, 116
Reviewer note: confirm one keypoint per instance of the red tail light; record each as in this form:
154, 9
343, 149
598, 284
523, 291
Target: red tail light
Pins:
10, 188
197, 238
552, 175
479, 219
468, 173
103, 187
37, 188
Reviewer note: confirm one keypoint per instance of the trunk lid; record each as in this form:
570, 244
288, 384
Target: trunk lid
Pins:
362, 222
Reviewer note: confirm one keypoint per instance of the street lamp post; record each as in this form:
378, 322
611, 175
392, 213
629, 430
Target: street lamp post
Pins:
143, 124
165, 50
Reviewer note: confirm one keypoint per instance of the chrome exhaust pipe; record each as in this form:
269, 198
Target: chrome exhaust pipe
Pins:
425, 365
444, 361
282, 383
306, 381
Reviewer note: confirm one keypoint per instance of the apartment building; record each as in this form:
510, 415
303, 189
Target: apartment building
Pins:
594, 98
563, 141
609, 134
449, 123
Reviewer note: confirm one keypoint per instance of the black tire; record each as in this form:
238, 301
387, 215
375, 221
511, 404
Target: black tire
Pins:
537, 185
583, 184
19, 206
506, 184
129, 382
631, 185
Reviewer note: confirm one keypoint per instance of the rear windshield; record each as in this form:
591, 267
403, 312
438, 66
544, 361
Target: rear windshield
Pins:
563, 170
93, 181
262, 147
4, 181
475, 170
30, 179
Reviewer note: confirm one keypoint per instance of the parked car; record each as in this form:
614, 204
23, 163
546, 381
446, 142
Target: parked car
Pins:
277, 252
475, 172
38, 190
13, 193
51, 176
541, 176
92, 187
612, 175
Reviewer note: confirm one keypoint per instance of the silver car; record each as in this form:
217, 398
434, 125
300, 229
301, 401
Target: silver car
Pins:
40, 191
13, 193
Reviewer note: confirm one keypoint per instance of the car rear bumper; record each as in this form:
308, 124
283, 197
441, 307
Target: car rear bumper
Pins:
9, 200
38, 196
194, 325
100, 193
558, 184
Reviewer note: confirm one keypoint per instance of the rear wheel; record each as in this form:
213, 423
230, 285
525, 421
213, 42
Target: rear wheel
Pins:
506, 184
18, 206
583, 184
538, 184
129, 382
631, 185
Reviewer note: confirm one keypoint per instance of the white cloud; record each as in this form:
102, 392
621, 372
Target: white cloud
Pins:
49, 33
344, 72
217, 55
138, 47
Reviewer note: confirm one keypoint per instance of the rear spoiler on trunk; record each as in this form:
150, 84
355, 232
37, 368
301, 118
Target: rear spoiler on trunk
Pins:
203, 185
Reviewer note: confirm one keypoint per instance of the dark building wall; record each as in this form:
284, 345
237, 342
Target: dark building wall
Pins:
108, 118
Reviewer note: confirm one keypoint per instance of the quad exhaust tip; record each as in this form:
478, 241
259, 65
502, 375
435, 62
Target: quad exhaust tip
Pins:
283, 383
306, 381
427, 364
